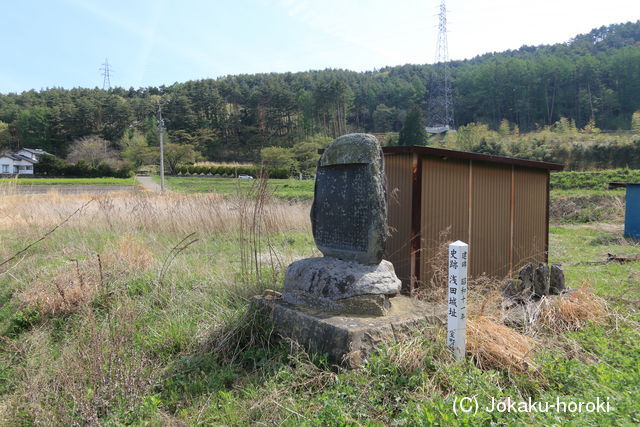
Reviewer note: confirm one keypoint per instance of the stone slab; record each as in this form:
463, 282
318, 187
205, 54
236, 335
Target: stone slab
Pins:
336, 279
556, 281
349, 340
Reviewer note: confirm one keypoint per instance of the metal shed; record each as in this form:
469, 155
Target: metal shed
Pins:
632, 212
632, 209
498, 205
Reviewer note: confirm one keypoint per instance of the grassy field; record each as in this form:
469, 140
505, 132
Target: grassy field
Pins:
562, 183
288, 189
68, 181
134, 311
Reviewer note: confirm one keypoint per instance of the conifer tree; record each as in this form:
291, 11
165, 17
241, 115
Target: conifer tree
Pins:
412, 132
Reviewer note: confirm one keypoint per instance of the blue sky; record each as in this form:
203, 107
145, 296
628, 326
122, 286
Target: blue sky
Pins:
63, 43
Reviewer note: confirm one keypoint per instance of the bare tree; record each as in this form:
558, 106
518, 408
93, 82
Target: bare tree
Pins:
93, 150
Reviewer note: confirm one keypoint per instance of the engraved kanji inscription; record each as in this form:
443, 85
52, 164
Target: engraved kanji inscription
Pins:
343, 206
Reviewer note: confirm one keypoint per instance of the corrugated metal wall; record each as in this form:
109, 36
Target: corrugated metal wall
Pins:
490, 240
445, 205
398, 170
500, 210
529, 226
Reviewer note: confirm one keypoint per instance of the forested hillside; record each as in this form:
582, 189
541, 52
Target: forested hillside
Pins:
593, 79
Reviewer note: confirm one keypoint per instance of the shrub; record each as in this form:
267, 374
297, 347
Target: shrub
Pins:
278, 173
53, 166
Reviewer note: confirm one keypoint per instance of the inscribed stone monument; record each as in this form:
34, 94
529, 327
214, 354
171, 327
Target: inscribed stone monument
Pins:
349, 212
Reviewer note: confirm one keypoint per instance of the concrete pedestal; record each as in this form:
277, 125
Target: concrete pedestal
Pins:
348, 340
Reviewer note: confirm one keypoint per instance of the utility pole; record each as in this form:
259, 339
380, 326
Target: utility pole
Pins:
161, 130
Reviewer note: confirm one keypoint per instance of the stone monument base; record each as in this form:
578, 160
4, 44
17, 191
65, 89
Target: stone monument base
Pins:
343, 287
348, 340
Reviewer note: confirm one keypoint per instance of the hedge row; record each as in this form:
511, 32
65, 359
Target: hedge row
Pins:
233, 171
592, 179
52, 166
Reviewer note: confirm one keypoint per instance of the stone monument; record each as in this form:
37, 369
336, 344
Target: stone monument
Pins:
349, 212
349, 223
347, 302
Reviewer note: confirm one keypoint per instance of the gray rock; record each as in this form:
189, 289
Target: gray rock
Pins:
349, 211
541, 280
516, 316
521, 316
556, 282
526, 276
325, 283
513, 288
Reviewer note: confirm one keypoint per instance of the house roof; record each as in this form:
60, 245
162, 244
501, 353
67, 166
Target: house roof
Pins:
34, 150
18, 158
454, 154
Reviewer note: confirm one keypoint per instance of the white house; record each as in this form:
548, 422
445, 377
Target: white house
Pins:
32, 153
20, 163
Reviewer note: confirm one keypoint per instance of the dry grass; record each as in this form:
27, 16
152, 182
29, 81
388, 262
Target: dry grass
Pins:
101, 369
496, 346
121, 212
436, 289
409, 355
130, 255
587, 208
570, 311
70, 289
75, 284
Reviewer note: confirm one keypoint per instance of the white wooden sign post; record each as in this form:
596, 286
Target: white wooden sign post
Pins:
457, 305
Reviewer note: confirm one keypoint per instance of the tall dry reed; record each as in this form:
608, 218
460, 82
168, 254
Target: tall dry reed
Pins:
171, 213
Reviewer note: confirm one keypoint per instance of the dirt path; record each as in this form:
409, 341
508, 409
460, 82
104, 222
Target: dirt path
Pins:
150, 184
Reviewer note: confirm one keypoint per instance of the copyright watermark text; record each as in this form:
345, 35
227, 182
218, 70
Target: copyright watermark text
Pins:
470, 405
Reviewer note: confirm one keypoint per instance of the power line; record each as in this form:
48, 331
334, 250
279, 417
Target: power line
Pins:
106, 74
441, 99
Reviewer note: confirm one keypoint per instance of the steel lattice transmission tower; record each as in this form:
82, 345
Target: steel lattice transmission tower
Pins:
106, 74
441, 99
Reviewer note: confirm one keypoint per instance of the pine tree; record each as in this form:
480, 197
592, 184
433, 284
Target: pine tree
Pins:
412, 132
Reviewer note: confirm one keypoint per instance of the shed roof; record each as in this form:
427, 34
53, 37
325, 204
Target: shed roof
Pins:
455, 154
